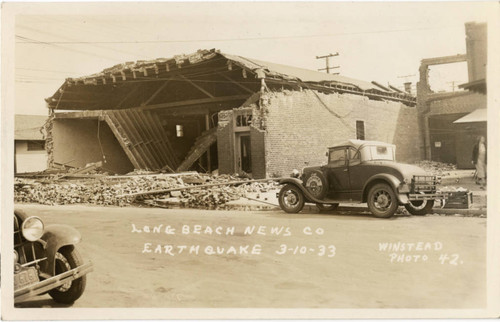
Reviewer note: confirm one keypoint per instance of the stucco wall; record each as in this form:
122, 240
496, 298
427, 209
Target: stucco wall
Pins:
76, 139
300, 126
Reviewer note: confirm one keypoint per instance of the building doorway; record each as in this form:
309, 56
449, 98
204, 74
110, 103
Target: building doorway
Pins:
243, 153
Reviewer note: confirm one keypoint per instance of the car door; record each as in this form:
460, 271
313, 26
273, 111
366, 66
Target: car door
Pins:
337, 173
356, 174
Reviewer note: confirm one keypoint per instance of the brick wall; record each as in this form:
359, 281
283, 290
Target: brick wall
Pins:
225, 145
301, 126
465, 102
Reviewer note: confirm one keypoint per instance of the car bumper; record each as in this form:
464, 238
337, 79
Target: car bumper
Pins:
51, 283
427, 196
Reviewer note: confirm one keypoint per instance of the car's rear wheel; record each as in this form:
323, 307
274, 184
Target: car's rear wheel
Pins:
327, 206
420, 207
382, 201
68, 258
291, 199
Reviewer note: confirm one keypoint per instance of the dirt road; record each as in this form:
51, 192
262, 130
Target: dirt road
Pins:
308, 260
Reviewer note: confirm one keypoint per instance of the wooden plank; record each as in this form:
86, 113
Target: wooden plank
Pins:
207, 127
153, 96
229, 183
134, 146
120, 139
88, 168
158, 133
200, 147
201, 89
237, 84
141, 140
129, 95
143, 127
162, 147
156, 125
196, 101
78, 115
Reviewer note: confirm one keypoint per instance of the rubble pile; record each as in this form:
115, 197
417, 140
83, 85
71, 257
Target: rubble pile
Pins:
114, 190
436, 168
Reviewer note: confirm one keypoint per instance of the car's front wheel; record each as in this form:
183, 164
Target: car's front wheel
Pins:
291, 199
420, 207
382, 201
68, 258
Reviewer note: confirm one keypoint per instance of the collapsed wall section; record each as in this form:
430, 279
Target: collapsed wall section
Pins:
301, 125
77, 142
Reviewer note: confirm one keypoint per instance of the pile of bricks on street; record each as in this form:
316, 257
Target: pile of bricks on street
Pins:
436, 168
113, 191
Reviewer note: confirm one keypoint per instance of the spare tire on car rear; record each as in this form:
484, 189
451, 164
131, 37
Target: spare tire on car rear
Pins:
316, 184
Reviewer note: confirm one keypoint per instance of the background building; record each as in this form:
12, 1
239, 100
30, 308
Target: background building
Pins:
30, 154
451, 121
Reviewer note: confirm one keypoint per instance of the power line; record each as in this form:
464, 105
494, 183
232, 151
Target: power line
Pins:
34, 41
228, 39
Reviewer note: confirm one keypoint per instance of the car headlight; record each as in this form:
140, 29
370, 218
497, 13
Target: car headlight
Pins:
295, 173
32, 228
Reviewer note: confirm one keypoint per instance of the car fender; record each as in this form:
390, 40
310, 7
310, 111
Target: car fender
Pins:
391, 180
54, 237
299, 184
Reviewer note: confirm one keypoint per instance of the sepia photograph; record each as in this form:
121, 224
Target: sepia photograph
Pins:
250, 160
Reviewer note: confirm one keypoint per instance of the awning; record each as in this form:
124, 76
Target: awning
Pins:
479, 115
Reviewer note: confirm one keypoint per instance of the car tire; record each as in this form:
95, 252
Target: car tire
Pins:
382, 201
316, 184
68, 258
419, 207
291, 199
327, 206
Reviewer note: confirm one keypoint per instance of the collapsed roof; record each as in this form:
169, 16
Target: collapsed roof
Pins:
206, 74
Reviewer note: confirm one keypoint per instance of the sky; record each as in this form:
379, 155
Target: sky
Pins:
382, 42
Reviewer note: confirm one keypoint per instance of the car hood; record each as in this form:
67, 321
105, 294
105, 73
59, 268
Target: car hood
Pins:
407, 170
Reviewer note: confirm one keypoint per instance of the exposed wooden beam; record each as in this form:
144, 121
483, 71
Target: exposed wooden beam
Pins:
129, 94
444, 60
122, 142
152, 97
196, 102
79, 114
236, 83
201, 89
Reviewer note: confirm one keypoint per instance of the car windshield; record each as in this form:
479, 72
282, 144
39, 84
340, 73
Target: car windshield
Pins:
379, 152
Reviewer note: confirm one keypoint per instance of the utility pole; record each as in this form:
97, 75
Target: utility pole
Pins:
452, 85
327, 57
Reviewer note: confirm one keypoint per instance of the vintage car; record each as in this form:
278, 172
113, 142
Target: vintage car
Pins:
46, 260
361, 171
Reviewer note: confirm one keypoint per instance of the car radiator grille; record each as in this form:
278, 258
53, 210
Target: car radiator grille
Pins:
424, 183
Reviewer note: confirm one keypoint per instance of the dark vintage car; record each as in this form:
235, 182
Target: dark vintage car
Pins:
361, 171
46, 260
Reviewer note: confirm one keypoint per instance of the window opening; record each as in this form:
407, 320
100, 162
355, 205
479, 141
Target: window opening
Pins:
360, 130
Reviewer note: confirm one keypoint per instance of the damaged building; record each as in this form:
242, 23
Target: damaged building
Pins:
452, 121
213, 111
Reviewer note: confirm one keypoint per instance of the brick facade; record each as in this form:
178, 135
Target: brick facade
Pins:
300, 126
225, 142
